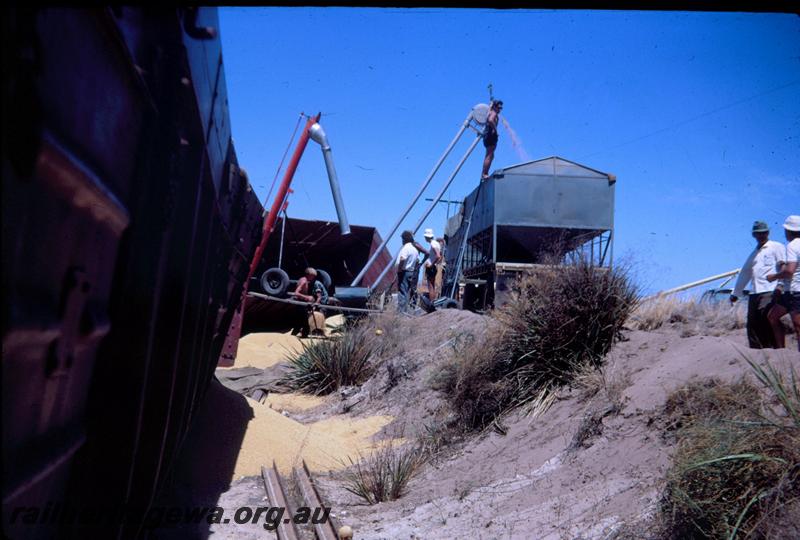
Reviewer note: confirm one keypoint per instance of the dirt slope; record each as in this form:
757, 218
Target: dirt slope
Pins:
538, 480
528, 484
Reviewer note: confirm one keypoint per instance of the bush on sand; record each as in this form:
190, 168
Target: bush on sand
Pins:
560, 319
325, 365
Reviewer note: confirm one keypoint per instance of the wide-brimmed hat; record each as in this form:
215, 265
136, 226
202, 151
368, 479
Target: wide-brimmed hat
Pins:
792, 223
428, 233
760, 226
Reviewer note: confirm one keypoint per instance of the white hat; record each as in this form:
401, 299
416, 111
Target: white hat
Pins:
792, 223
428, 233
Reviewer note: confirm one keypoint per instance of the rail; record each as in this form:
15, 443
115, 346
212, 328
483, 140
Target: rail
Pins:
326, 530
276, 493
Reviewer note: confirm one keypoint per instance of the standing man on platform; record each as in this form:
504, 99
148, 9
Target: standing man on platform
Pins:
490, 136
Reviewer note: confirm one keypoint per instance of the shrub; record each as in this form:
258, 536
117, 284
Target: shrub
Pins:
559, 319
325, 365
737, 465
384, 475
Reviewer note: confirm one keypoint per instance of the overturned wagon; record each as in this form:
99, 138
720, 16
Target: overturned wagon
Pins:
300, 243
521, 217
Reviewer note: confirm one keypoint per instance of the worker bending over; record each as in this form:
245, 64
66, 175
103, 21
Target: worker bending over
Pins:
310, 289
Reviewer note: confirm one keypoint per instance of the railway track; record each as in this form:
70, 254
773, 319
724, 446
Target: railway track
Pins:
276, 494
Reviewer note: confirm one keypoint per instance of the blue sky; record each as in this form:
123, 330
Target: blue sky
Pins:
698, 114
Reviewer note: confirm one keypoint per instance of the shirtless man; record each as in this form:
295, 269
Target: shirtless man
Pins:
490, 136
309, 289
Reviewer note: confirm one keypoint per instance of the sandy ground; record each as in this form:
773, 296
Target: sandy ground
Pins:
524, 484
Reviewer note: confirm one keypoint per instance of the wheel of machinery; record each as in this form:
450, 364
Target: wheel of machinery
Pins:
450, 304
326, 280
275, 282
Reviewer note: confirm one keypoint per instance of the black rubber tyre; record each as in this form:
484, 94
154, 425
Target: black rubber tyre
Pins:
450, 304
426, 304
325, 279
275, 282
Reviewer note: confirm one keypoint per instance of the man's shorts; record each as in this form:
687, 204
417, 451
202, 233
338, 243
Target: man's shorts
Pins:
490, 137
790, 301
430, 271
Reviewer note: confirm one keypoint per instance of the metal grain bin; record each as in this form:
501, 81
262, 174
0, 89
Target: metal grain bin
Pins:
526, 211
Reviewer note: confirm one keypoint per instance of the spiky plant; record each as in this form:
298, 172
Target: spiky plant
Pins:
325, 365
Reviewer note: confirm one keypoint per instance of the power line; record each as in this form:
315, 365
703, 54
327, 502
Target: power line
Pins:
692, 119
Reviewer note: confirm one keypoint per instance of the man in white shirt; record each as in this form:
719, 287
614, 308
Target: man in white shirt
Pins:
431, 264
763, 261
407, 269
790, 272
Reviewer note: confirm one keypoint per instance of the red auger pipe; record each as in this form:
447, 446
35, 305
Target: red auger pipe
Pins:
280, 197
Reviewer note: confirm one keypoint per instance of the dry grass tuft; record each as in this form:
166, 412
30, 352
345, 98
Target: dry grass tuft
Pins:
692, 317
737, 466
560, 318
602, 387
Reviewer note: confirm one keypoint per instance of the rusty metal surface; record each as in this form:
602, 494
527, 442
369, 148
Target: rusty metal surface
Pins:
326, 530
277, 499
320, 244
127, 230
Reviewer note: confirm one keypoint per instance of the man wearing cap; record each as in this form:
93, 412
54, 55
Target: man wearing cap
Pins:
432, 262
789, 272
762, 261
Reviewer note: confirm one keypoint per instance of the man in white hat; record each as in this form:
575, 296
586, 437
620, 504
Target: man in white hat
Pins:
432, 262
790, 273
762, 261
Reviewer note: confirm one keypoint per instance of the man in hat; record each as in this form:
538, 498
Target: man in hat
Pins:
789, 301
407, 267
432, 263
761, 262
490, 136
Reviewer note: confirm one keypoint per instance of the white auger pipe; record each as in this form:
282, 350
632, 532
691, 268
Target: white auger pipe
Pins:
422, 189
318, 135
694, 284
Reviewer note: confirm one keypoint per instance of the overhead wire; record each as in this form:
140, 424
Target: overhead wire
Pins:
692, 119
285, 153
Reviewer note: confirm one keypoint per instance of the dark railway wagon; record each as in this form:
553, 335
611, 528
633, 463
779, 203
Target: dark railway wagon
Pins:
128, 228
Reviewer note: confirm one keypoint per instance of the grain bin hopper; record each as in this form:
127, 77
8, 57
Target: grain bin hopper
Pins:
521, 214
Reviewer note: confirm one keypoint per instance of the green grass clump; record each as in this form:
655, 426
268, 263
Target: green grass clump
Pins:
384, 475
736, 471
325, 365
